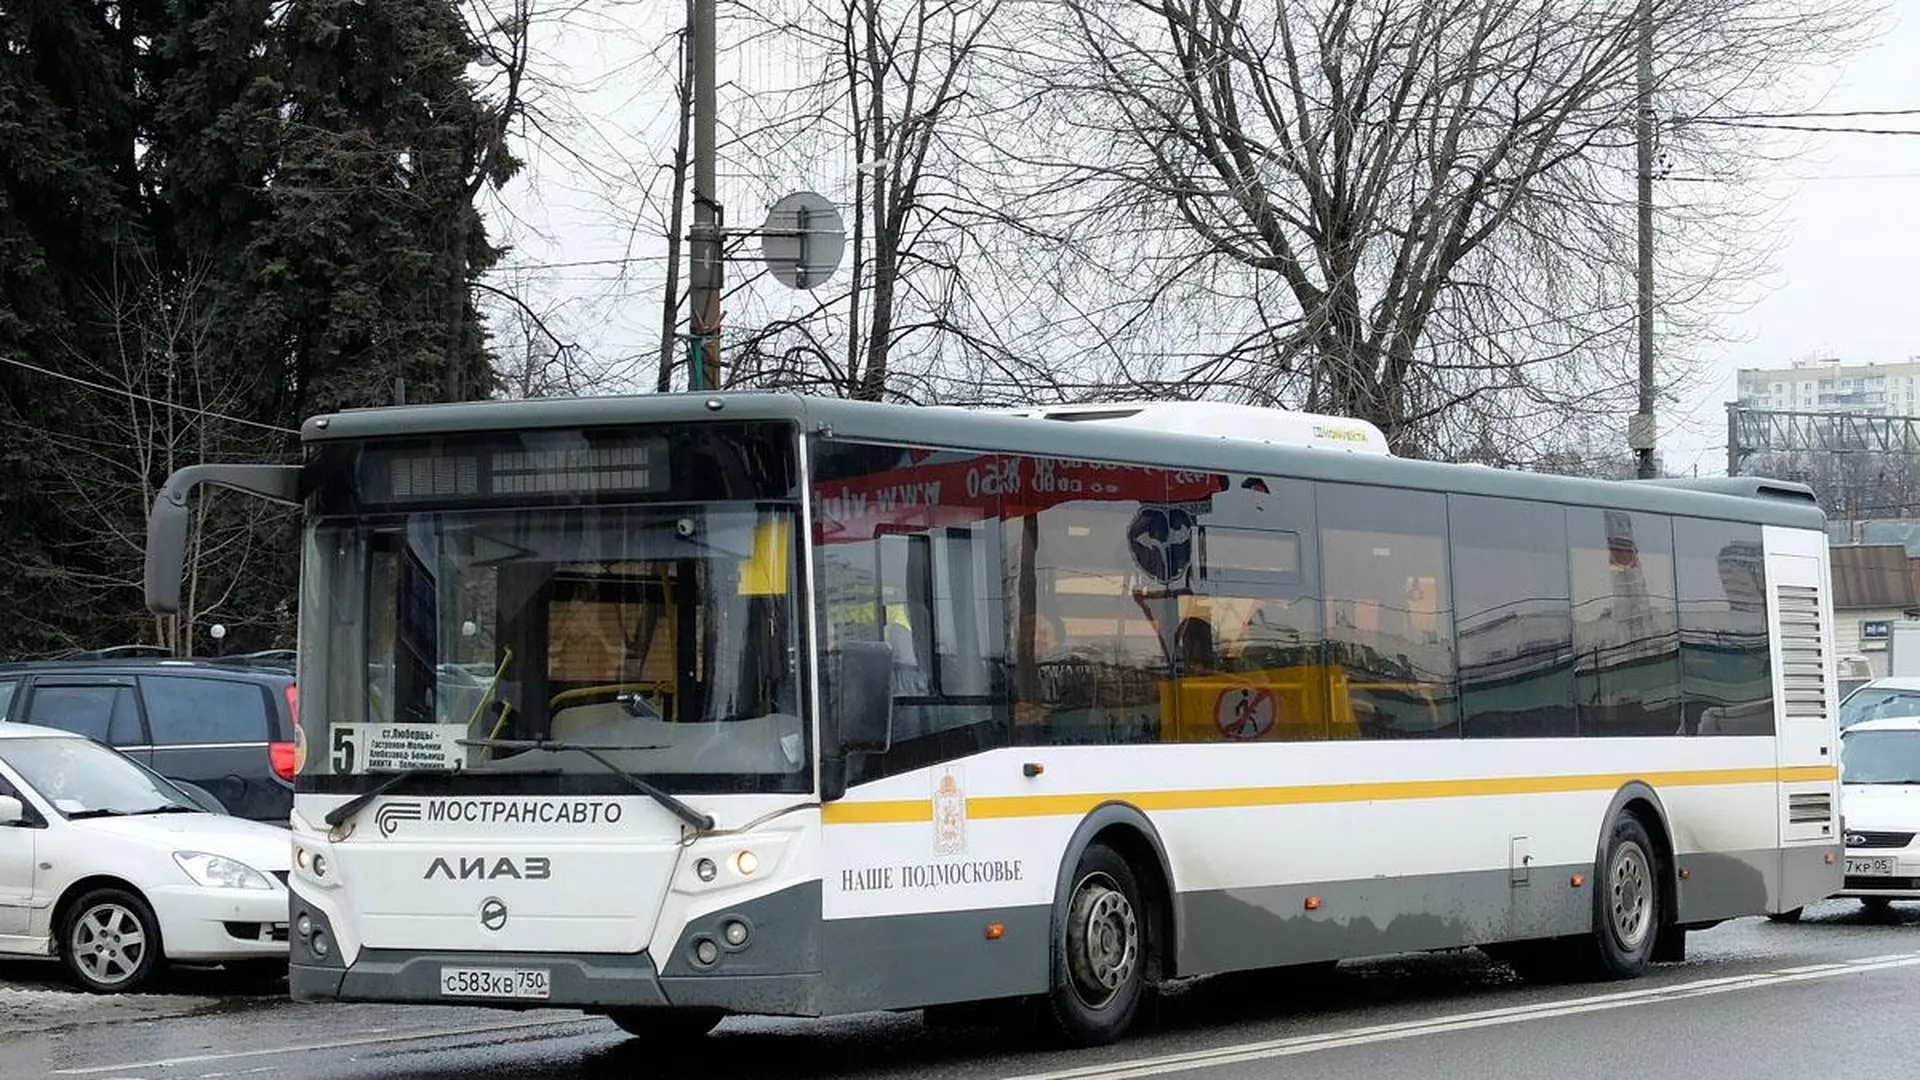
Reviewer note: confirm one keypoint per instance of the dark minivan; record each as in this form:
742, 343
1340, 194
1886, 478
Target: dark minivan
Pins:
225, 726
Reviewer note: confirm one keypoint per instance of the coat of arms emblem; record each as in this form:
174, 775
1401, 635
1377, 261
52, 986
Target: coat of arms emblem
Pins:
949, 814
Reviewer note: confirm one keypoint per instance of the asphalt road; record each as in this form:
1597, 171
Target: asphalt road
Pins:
1830, 997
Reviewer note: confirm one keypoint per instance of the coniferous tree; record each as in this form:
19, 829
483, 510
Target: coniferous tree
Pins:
69, 214
250, 211
385, 149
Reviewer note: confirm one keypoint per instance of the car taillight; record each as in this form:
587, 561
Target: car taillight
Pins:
293, 703
281, 755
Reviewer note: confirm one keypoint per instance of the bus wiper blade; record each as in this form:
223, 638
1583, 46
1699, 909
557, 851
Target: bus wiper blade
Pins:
339, 814
700, 821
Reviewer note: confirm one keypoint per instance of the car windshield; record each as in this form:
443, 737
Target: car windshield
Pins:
1880, 757
82, 778
1878, 703
660, 636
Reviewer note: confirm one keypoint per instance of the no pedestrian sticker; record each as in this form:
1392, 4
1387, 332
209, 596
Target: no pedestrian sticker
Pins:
1244, 713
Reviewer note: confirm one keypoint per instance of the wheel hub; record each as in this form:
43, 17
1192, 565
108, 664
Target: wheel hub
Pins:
1630, 896
109, 944
1103, 940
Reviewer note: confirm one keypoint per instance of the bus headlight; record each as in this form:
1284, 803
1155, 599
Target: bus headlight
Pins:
705, 870
745, 863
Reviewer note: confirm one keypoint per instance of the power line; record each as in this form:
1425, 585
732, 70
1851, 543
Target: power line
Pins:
1769, 126
124, 392
1836, 115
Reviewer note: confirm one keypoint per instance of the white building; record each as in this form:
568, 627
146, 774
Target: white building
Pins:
1833, 386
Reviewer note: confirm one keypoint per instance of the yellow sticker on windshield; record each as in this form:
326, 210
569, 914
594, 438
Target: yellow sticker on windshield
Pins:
764, 573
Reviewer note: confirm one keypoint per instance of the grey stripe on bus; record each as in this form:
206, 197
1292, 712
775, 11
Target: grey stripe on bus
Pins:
818, 967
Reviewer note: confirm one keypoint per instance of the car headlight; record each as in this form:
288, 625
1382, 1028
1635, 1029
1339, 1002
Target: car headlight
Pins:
220, 872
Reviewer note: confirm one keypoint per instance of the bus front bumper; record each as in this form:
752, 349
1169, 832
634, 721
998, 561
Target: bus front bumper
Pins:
545, 980
779, 977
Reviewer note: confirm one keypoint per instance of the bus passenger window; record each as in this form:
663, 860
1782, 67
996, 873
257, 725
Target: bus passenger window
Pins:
1389, 624
1085, 568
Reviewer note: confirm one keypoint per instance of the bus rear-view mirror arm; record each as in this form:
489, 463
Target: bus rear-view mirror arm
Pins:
863, 696
172, 519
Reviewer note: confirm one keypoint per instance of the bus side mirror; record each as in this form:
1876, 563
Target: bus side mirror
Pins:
863, 697
170, 524
12, 812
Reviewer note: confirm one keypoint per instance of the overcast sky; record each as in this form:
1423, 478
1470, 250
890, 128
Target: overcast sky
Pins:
586, 214
1848, 269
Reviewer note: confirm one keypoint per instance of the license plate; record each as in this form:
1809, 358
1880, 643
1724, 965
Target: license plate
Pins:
495, 982
1881, 867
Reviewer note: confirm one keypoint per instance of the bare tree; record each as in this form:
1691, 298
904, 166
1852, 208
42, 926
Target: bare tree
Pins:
532, 355
1417, 214
902, 93
156, 407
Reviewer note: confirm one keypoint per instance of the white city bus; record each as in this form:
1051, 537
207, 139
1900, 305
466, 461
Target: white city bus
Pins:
682, 706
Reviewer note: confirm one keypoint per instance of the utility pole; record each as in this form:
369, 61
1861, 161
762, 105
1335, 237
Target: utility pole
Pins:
707, 274
1640, 430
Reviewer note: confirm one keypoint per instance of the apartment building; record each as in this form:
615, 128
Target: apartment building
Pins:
1833, 386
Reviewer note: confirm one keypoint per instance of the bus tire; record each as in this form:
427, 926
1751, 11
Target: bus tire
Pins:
1099, 951
1627, 905
666, 1025
1791, 915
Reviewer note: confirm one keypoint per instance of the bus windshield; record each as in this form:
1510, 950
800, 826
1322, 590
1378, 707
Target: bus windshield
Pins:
660, 636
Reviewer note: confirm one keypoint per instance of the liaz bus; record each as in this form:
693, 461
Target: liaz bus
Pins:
673, 707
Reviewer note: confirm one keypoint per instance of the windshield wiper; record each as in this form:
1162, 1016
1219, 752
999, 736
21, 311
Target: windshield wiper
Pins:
339, 814
700, 821
169, 808
104, 811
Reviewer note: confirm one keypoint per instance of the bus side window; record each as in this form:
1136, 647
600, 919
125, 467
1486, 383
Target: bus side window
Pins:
1087, 619
925, 579
1390, 641
1262, 677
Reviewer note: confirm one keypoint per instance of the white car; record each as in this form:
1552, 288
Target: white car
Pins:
1896, 695
1880, 810
115, 871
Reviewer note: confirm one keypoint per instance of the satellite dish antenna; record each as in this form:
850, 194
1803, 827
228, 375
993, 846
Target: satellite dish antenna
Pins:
803, 240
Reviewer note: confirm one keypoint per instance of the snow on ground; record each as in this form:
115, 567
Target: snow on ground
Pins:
33, 1005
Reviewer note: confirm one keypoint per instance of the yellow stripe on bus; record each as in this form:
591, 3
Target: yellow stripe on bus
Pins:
896, 811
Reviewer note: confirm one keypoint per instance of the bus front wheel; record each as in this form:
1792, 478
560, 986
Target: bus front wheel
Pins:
666, 1025
1099, 952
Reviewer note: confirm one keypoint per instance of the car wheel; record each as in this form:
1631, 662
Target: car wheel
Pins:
1099, 952
666, 1025
110, 941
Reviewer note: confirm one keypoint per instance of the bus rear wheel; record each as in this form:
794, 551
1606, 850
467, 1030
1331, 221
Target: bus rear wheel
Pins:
1627, 907
666, 1025
1099, 952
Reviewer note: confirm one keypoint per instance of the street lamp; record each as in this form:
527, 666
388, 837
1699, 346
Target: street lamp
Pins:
218, 632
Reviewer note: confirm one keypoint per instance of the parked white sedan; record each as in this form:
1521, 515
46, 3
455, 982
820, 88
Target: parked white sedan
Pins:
1880, 810
115, 871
